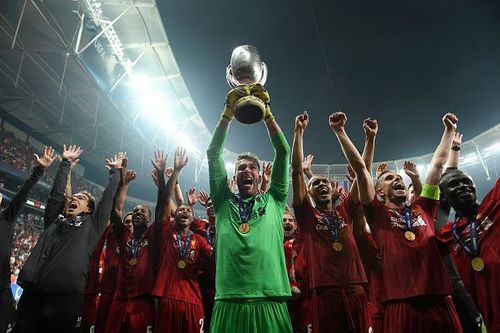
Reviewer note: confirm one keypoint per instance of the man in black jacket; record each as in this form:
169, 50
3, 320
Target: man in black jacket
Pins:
8, 217
55, 274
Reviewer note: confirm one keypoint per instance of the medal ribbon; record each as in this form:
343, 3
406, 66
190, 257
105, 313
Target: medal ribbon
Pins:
245, 210
470, 251
183, 246
134, 247
333, 225
407, 218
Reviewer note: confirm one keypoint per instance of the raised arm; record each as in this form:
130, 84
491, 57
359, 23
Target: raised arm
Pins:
180, 161
411, 171
370, 126
298, 180
216, 167
10, 213
55, 204
179, 198
454, 158
307, 166
69, 189
266, 176
366, 190
126, 176
102, 211
442, 151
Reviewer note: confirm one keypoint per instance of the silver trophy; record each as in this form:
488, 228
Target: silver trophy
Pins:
246, 68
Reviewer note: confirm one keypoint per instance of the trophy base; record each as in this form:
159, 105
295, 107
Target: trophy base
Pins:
249, 110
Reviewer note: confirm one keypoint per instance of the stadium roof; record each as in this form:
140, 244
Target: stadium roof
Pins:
99, 73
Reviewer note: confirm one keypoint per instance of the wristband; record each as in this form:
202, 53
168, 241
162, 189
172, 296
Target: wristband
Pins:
455, 148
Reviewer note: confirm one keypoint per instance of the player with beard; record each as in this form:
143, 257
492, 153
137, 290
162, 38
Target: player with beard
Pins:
336, 274
55, 275
8, 217
251, 281
180, 306
416, 287
473, 239
132, 309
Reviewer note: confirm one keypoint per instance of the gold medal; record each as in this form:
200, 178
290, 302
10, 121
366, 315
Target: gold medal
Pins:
132, 262
244, 228
477, 264
337, 246
409, 235
181, 264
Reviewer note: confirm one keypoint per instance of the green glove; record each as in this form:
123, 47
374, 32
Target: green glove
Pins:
232, 97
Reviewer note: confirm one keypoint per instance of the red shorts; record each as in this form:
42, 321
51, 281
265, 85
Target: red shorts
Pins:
422, 316
103, 305
133, 315
178, 316
90, 312
301, 314
336, 311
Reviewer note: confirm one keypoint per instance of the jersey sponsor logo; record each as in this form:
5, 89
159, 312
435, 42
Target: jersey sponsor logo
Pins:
398, 221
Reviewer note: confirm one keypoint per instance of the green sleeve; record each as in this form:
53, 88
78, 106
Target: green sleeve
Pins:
217, 168
280, 174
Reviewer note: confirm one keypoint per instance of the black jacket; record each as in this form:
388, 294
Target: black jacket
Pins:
59, 262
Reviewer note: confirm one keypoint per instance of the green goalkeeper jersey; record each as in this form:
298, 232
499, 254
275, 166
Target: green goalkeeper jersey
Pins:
250, 264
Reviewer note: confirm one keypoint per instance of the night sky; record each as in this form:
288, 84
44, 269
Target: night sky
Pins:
404, 63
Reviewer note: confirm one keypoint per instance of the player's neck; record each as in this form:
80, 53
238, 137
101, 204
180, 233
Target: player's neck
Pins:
324, 205
183, 230
398, 204
469, 211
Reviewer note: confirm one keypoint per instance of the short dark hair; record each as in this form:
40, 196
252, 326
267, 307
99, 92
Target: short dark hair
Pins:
247, 156
91, 202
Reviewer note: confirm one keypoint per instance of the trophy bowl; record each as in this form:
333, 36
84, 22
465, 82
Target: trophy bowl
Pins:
247, 68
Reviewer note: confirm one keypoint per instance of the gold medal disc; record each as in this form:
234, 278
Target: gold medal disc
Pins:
181, 264
409, 235
337, 246
244, 228
477, 264
132, 262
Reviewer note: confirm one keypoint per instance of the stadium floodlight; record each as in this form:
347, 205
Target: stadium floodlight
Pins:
186, 142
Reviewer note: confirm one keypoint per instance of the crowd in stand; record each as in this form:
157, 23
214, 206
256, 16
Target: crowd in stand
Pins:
28, 229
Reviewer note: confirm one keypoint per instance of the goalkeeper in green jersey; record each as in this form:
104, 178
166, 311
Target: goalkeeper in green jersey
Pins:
251, 278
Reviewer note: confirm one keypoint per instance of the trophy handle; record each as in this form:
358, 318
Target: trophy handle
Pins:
233, 83
264, 74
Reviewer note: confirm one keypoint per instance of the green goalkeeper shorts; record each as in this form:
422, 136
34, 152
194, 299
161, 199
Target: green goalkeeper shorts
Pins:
252, 316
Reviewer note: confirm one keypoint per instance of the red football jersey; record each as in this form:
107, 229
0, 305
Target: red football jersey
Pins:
93, 274
371, 258
111, 263
484, 286
174, 282
290, 257
327, 267
409, 268
136, 275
